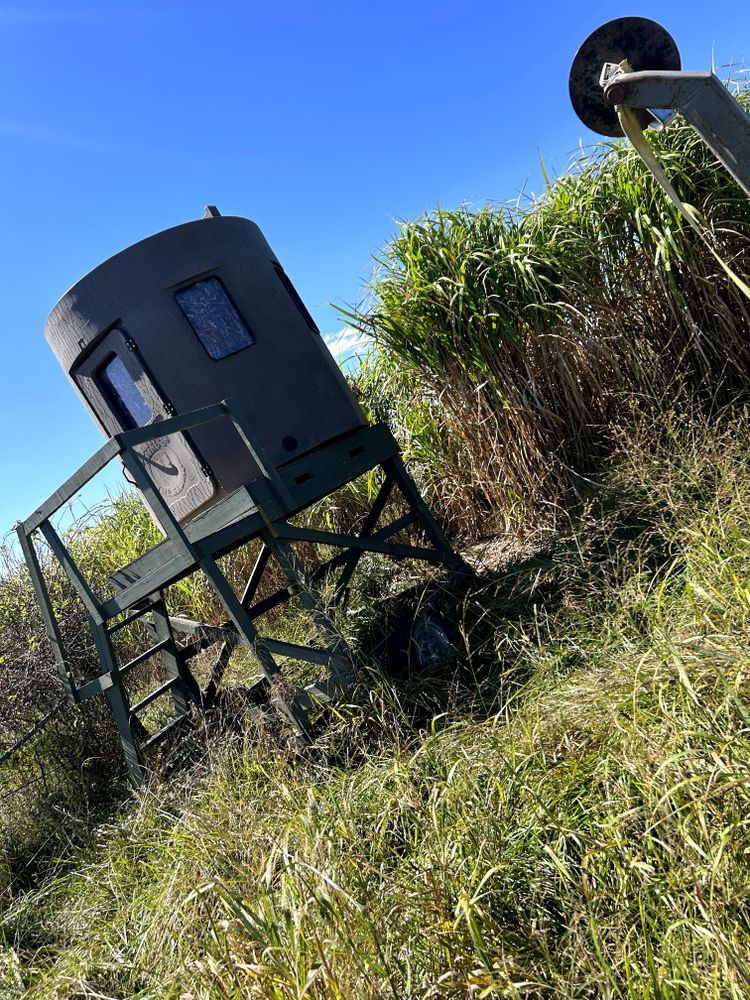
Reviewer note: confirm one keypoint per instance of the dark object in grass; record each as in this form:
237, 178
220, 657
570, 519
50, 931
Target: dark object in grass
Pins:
419, 643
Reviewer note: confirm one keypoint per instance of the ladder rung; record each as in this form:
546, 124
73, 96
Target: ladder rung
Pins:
157, 693
129, 619
163, 733
144, 656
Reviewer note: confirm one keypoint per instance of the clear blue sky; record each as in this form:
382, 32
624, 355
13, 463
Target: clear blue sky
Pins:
324, 122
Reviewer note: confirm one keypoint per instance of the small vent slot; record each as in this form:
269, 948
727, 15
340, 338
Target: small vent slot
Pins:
356, 451
303, 478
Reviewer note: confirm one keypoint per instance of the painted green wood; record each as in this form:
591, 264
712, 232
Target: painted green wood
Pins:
119, 704
245, 628
218, 670
207, 640
272, 601
48, 613
295, 712
72, 485
261, 653
151, 576
173, 425
370, 522
251, 587
84, 591
406, 484
290, 531
378, 536
128, 619
256, 509
366, 444
175, 668
171, 727
142, 657
222, 661
94, 687
189, 627
236, 519
337, 464
236, 507
322, 571
322, 692
286, 557
294, 651
167, 521
151, 697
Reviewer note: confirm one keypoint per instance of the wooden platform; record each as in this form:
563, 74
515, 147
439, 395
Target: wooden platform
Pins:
260, 509
243, 515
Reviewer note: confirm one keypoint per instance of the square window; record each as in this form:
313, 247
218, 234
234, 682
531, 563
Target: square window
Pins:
214, 317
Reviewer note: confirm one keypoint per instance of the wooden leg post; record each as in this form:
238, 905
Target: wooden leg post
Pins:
340, 661
119, 703
257, 647
185, 687
222, 660
413, 497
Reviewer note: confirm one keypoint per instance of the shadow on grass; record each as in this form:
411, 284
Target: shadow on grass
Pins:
496, 616
479, 633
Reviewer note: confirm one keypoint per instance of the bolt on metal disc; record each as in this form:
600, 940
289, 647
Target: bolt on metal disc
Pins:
644, 43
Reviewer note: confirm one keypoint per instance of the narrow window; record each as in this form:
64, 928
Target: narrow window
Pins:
124, 394
214, 317
294, 295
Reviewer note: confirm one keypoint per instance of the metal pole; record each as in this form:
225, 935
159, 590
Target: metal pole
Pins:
704, 102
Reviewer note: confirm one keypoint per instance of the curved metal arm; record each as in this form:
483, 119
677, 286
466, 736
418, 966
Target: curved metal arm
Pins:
704, 102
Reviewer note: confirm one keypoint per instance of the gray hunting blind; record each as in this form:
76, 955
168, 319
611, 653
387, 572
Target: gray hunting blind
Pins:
198, 359
182, 320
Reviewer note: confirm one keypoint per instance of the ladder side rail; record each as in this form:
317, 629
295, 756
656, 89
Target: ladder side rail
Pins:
73, 572
47, 611
71, 486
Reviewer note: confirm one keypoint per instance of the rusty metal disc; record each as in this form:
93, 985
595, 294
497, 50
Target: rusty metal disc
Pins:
644, 43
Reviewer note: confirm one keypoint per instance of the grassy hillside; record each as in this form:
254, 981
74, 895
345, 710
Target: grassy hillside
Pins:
569, 818
561, 810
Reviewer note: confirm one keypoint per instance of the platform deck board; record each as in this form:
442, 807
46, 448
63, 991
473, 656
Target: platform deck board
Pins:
238, 518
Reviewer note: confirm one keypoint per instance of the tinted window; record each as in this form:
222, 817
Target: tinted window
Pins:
214, 317
124, 393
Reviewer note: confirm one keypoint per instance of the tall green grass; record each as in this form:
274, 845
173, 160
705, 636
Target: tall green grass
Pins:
70, 774
534, 331
580, 831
